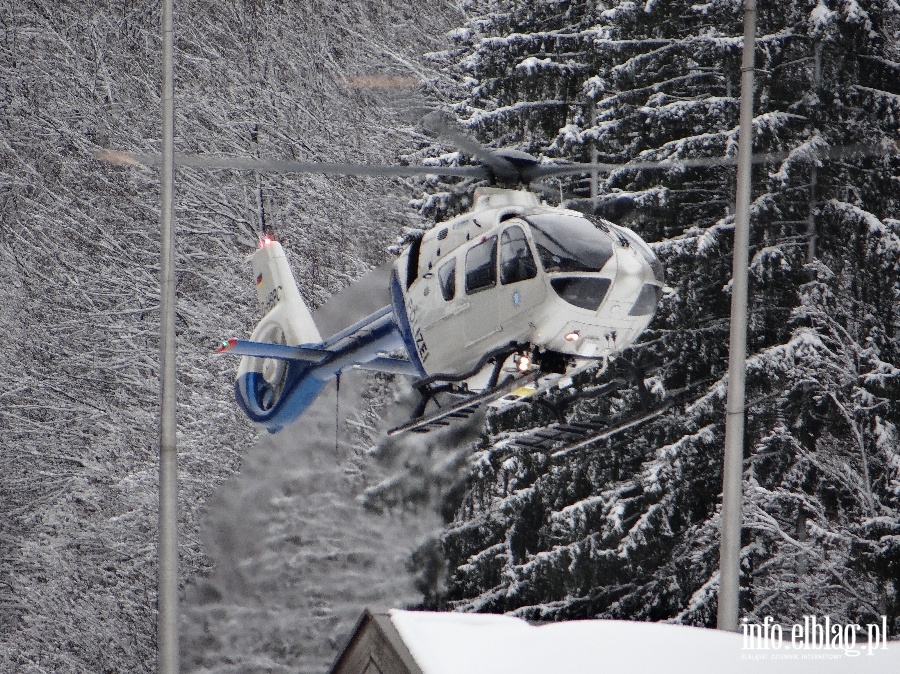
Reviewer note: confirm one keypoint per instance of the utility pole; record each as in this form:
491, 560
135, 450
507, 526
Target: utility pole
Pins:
732, 474
167, 626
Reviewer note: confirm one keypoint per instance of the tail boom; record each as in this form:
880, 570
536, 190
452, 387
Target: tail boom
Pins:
286, 364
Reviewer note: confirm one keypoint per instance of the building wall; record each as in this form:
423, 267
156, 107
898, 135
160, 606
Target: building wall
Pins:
375, 647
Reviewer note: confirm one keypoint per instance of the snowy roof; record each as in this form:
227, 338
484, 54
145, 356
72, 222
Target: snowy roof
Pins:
455, 643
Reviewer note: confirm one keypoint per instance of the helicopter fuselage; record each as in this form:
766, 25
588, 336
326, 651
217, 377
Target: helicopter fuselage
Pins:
516, 274
512, 280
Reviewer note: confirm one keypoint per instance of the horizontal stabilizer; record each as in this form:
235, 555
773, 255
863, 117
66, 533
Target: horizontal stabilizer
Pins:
314, 355
245, 347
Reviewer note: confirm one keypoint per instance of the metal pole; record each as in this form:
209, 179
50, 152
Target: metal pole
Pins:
594, 174
730, 542
167, 627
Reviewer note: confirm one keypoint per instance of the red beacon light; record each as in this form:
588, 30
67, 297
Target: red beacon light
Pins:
572, 336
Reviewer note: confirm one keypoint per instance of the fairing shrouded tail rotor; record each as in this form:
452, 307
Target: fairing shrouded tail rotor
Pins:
273, 370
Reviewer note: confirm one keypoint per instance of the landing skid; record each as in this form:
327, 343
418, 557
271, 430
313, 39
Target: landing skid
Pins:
463, 409
537, 381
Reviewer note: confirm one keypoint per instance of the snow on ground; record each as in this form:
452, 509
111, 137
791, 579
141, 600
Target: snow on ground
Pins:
449, 643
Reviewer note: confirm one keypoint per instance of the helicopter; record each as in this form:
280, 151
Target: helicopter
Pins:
513, 285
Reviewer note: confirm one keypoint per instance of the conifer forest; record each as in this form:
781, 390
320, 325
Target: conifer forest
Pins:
285, 539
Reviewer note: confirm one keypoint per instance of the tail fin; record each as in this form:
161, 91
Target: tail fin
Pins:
262, 382
286, 319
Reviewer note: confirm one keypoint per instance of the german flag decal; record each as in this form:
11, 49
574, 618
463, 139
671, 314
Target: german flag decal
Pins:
259, 279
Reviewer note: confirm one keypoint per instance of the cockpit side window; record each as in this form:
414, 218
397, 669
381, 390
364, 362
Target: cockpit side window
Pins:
569, 243
516, 261
447, 279
481, 266
412, 269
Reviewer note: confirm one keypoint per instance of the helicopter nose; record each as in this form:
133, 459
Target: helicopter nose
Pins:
632, 266
631, 273
647, 290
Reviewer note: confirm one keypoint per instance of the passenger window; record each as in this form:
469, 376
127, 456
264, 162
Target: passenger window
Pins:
481, 266
516, 260
447, 279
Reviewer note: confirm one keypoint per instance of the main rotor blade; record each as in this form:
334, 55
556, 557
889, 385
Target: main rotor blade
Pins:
544, 170
289, 166
838, 152
500, 167
497, 167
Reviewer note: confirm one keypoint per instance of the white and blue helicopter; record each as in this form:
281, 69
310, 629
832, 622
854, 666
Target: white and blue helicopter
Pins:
514, 285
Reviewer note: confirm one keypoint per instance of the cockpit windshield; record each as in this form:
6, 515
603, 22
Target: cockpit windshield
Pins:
569, 243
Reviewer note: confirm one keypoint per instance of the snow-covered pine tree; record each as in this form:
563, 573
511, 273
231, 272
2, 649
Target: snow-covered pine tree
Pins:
627, 527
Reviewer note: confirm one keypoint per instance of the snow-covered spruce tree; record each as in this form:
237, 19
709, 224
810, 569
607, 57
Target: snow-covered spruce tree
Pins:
627, 527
